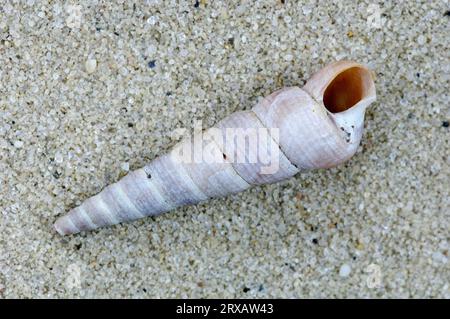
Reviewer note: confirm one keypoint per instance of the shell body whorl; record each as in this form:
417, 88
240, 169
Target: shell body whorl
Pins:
317, 126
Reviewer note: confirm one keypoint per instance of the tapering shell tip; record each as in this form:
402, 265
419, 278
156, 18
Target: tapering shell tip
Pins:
64, 226
58, 228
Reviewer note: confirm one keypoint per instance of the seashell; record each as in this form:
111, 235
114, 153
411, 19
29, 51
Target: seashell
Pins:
292, 129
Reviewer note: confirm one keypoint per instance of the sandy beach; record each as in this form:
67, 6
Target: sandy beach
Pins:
92, 90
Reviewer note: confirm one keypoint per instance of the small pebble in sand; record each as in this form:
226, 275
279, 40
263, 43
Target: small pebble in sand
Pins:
125, 166
91, 65
18, 144
58, 158
421, 40
152, 20
439, 257
345, 270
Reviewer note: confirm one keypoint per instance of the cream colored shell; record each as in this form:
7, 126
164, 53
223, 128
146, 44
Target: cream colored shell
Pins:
317, 126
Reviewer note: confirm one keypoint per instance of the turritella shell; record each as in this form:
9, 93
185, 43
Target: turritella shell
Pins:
317, 126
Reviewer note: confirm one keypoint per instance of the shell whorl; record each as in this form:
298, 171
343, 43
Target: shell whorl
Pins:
318, 126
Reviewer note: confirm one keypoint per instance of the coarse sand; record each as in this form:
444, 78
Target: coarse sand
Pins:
89, 91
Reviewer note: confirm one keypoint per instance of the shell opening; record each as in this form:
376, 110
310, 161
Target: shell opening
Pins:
346, 89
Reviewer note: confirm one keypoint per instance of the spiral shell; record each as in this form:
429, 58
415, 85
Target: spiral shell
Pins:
317, 126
